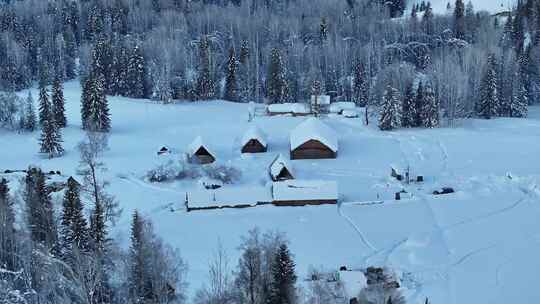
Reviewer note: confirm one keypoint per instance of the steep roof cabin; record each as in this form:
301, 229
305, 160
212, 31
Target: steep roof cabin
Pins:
280, 169
198, 152
254, 141
313, 139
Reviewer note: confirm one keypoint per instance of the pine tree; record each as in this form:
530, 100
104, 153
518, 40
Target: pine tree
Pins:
8, 242
282, 288
408, 108
30, 120
74, 228
205, 83
58, 101
44, 102
139, 284
136, 71
427, 20
51, 139
519, 100
244, 81
39, 211
488, 105
390, 115
419, 105
430, 109
98, 229
323, 33
459, 19
94, 105
231, 86
361, 85
275, 79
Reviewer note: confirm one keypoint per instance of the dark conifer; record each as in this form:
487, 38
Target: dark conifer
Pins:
231, 86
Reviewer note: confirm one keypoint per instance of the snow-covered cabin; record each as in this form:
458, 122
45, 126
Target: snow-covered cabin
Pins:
164, 150
304, 192
313, 139
280, 169
254, 141
295, 109
198, 152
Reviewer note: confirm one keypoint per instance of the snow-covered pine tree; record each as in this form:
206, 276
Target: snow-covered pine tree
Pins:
459, 19
231, 86
51, 139
360, 84
138, 283
94, 105
136, 71
275, 79
39, 211
98, 229
58, 103
430, 111
30, 120
283, 284
390, 111
74, 234
488, 104
44, 102
205, 83
519, 100
323, 32
244, 80
419, 105
408, 107
8, 243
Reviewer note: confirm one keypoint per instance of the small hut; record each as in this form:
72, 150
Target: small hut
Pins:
198, 152
280, 169
254, 141
164, 150
313, 139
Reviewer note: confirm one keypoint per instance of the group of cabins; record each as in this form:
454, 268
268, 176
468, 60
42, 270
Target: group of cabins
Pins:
312, 139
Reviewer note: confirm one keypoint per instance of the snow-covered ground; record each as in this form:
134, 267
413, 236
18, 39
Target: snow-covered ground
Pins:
478, 245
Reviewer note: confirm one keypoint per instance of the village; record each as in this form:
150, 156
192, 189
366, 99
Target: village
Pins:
311, 139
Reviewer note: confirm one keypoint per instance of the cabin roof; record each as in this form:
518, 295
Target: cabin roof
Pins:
278, 164
305, 190
314, 129
198, 143
254, 132
296, 108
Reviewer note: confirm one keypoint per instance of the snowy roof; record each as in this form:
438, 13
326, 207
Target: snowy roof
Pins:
350, 113
337, 107
305, 190
297, 108
353, 282
197, 144
228, 197
278, 164
254, 133
313, 128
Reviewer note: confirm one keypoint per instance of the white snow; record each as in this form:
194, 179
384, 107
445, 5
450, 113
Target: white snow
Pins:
304, 190
340, 106
228, 196
353, 282
478, 245
314, 129
254, 132
492, 6
288, 108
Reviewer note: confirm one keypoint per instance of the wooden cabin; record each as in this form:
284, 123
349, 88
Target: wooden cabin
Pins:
199, 153
280, 169
254, 141
313, 139
164, 150
304, 192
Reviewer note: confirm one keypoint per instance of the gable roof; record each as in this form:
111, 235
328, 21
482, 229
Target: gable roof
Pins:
254, 133
314, 129
197, 144
278, 164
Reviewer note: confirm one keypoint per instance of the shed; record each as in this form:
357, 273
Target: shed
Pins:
304, 192
313, 139
254, 141
164, 150
200, 153
280, 169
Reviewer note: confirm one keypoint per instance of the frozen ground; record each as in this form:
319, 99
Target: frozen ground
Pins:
479, 245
